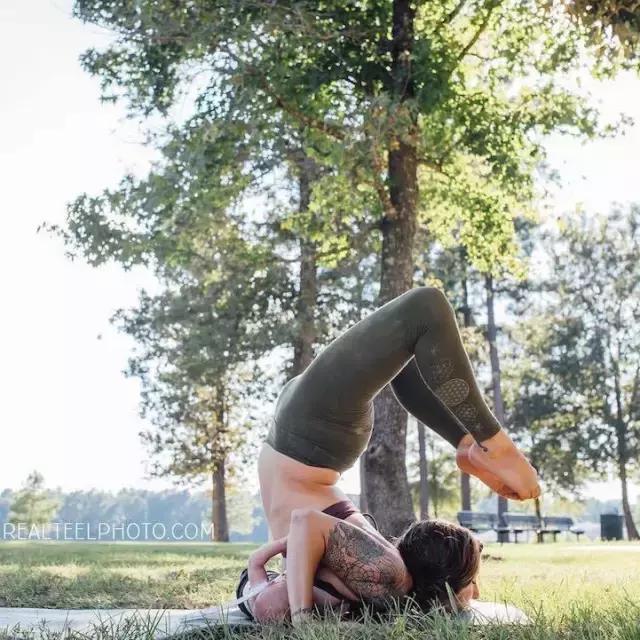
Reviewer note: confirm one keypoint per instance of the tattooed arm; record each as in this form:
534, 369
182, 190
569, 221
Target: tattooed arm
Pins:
368, 565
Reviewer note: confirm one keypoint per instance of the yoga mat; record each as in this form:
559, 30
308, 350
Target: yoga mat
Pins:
167, 622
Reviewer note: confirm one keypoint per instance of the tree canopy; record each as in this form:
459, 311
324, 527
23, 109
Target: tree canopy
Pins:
414, 122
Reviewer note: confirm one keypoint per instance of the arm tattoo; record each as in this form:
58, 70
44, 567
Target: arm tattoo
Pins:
362, 563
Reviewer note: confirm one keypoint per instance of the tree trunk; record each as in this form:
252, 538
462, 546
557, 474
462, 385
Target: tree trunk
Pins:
435, 489
305, 308
424, 471
305, 337
492, 334
632, 530
465, 492
364, 504
465, 480
538, 508
623, 456
387, 487
219, 505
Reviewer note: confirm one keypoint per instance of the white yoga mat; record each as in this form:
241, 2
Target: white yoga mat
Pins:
166, 622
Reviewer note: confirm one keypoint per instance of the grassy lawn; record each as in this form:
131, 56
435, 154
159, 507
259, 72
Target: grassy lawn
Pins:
583, 591
119, 575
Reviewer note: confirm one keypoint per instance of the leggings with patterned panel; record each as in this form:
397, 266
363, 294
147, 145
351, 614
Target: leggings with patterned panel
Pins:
324, 416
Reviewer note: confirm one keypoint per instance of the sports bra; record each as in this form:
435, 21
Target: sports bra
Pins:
346, 508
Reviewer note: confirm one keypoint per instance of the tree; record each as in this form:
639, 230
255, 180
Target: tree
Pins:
241, 510
612, 25
545, 412
229, 298
32, 505
90, 507
468, 287
427, 115
514, 284
6, 498
194, 341
594, 288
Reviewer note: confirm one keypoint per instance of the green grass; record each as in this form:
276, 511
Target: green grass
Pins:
119, 575
585, 591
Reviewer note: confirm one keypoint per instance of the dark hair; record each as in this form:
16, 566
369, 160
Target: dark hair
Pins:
438, 554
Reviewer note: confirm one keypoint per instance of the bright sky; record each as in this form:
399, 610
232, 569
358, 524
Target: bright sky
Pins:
65, 407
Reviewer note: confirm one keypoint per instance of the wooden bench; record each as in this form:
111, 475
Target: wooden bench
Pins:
479, 521
557, 524
518, 523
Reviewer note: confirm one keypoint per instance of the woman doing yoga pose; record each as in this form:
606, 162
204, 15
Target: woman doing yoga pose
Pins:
323, 422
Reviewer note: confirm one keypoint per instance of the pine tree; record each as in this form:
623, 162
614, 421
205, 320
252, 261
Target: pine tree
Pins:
32, 505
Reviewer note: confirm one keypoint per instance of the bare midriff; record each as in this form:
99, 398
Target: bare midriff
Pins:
286, 484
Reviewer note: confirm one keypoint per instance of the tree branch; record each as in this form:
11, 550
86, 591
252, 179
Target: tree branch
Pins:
633, 411
313, 123
477, 34
434, 166
380, 188
452, 15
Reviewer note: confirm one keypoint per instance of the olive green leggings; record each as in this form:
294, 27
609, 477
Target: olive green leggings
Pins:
324, 416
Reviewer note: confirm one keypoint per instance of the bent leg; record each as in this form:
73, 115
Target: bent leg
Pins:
445, 366
326, 414
349, 372
441, 364
415, 395
418, 399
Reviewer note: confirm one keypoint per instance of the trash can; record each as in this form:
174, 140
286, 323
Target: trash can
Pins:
611, 526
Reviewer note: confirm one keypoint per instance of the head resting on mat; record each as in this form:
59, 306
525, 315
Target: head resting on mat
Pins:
272, 604
443, 560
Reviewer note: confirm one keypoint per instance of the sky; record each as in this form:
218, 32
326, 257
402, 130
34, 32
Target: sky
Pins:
66, 409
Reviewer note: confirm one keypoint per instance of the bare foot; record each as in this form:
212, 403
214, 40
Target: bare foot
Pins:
502, 467
491, 480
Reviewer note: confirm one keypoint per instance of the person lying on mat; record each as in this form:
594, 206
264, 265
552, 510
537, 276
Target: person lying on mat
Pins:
271, 602
323, 422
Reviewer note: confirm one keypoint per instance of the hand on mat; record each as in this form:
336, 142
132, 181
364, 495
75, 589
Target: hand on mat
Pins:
502, 467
